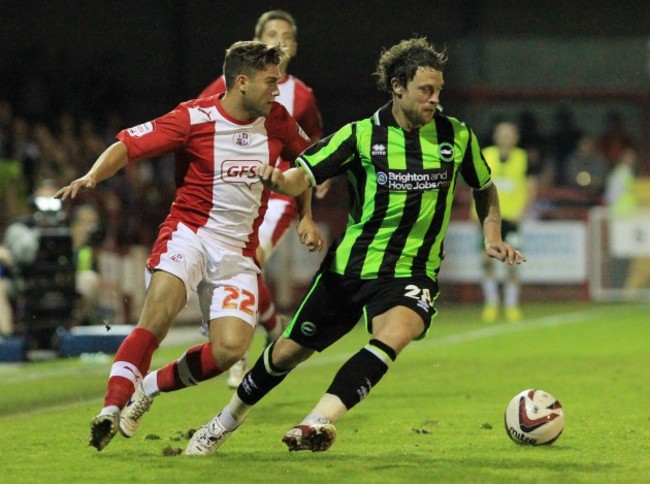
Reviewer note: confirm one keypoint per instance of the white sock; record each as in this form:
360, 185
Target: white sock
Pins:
490, 291
511, 294
228, 421
110, 410
150, 384
313, 417
234, 413
330, 408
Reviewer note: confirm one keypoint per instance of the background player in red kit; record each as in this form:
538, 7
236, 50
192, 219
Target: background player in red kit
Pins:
208, 241
273, 27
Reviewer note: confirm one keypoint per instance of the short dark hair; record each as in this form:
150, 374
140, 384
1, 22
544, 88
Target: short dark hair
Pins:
402, 61
275, 15
246, 56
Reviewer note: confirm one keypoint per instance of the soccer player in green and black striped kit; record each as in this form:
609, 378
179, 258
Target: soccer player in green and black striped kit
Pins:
402, 165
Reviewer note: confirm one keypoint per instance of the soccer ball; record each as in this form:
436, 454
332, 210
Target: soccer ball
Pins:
534, 417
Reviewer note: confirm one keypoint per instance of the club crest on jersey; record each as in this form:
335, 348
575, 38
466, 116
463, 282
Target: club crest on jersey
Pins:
446, 151
242, 138
240, 171
141, 130
176, 257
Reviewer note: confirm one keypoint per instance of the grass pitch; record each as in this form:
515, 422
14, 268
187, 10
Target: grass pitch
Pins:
436, 417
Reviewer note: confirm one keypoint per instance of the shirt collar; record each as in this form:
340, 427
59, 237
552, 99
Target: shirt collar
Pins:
384, 116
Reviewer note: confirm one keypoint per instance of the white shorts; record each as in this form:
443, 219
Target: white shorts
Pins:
279, 216
225, 281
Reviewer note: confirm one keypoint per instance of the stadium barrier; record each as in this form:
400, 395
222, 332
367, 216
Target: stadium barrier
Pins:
91, 339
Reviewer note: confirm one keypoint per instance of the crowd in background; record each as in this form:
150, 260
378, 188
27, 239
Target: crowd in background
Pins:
566, 156
62, 148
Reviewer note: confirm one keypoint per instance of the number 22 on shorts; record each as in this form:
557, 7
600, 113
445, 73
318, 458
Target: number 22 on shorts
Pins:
239, 299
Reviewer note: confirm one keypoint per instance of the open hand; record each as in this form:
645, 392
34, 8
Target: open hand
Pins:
504, 252
70, 191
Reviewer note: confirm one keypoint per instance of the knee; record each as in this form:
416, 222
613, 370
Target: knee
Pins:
288, 354
227, 353
398, 327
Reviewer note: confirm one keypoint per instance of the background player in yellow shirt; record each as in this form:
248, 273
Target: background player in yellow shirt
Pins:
512, 176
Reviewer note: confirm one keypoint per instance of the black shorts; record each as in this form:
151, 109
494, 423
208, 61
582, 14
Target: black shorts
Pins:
334, 304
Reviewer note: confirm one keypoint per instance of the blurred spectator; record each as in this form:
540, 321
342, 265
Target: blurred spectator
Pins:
91, 144
614, 138
34, 151
515, 180
20, 237
24, 150
6, 309
585, 169
487, 138
87, 235
563, 141
13, 193
535, 145
25, 263
66, 134
620, 195
52, 160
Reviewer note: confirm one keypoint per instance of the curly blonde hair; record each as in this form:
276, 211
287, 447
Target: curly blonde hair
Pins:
402, 60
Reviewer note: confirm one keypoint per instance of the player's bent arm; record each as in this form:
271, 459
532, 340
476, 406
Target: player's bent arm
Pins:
489, 213
307, 229
292, 182
113, 159
296, 182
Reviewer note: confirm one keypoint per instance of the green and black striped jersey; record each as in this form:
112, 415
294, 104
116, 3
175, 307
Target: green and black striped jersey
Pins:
401, 188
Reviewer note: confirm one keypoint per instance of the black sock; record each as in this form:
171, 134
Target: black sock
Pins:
360, 373
261, 379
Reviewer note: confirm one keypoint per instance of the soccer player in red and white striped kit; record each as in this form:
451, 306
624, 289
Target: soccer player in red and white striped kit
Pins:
208, 241
273, 27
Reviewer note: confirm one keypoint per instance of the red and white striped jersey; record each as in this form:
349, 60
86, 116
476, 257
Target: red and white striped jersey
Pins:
295, 95
218, 196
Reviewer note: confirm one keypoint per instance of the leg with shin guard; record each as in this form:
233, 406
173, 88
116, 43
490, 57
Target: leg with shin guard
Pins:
360, 373
261, 379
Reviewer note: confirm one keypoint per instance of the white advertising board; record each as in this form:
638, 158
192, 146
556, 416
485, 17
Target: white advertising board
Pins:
630, 236
556, 252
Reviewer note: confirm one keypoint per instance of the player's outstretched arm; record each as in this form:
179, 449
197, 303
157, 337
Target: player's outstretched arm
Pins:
114, 158
292, 182
489, 215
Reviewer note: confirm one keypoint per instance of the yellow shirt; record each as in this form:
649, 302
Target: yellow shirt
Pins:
509, 176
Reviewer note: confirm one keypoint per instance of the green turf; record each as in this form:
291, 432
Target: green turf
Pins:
436, 417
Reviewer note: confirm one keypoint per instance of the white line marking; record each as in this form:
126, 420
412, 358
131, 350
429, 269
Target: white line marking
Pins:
474, 335
478, 334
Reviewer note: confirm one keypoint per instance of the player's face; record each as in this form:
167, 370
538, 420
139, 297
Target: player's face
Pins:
421, 96
261, 90
280, 32
506, 136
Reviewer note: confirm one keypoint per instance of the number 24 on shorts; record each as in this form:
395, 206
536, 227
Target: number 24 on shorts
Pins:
414, 292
